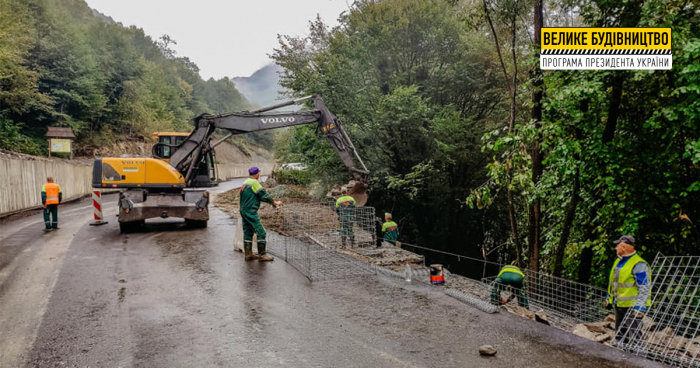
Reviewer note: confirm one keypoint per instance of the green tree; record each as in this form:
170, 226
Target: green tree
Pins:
415, 89
61, 64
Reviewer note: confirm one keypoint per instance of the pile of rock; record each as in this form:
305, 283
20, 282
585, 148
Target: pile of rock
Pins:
336, 189
666, 342
660, 341
355, 190
602, 332
539, 316
388, 256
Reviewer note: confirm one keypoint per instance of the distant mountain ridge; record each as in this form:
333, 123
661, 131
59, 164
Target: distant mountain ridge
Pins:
262, 87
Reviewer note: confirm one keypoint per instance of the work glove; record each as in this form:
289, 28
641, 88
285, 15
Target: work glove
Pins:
639, 314
608, 305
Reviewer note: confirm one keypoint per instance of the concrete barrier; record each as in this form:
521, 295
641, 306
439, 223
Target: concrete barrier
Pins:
230, 171
21, 180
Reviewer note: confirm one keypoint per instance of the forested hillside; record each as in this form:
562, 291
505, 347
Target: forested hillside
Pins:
475, 150
62, 64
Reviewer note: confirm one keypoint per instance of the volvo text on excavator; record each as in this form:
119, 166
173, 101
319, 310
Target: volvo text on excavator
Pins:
174, 182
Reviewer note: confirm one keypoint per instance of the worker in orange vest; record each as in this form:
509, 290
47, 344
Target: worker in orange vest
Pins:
51, 196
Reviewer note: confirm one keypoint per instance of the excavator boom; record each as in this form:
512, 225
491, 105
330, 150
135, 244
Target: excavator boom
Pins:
190, 152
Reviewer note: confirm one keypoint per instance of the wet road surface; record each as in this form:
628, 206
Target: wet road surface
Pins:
171, 296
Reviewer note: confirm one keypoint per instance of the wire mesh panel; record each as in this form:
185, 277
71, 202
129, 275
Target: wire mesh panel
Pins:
565, 302
670, 331
313, 238
573, 301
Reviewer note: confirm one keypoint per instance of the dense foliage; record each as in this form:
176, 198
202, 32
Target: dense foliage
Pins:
416, 91
426, 92
292, 177
63, 65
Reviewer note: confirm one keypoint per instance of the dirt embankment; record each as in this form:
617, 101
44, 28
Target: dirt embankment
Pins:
226, 153
76, 161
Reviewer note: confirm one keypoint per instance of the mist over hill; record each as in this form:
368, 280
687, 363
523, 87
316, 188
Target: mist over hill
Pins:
262, 87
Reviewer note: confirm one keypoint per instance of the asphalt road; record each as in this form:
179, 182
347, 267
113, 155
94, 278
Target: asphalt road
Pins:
170, 296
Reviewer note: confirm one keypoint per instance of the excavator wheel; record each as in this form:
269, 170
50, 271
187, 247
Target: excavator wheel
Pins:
359, 193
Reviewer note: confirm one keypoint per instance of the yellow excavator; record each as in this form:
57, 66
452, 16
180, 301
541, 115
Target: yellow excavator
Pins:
174, 182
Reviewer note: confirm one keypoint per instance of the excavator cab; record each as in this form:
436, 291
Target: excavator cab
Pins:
206, 171
171, 141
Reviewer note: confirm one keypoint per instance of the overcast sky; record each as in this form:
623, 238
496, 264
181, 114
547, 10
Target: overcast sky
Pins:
223, 37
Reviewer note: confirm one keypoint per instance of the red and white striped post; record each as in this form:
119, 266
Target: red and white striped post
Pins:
97, 204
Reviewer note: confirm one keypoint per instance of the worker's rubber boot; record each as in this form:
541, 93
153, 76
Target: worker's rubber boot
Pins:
264, 257
248, 251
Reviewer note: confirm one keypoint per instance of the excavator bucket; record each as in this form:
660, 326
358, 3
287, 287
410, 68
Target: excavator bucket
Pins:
359, 192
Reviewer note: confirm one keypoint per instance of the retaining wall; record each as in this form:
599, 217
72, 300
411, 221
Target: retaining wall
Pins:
21, 180
230, 171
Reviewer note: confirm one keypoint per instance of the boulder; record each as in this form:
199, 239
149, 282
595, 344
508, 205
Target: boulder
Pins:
335, 191
692, 348
603, 337
541, 317
610, 318
594, 331
600, 327
583, 331
665, 339
648, 324
487, 350
521, 311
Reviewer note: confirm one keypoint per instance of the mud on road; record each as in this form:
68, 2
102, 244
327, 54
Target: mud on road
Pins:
171, 296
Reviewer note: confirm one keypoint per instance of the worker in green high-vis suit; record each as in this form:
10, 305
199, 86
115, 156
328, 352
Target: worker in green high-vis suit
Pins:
252, 193
345, 207
390, 230
510, 276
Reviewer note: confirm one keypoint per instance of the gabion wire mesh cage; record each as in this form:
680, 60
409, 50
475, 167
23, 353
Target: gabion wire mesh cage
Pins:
670, 330
316, 235
566, 302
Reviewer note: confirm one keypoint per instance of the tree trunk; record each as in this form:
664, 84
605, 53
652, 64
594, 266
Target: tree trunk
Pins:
511, 87
575, 199
513, 223
608, 136
534, 210
568, 223
584, 270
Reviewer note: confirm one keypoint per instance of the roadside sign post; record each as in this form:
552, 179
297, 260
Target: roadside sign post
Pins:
60, 140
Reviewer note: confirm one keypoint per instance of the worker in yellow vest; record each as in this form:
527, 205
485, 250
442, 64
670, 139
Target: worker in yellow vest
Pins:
628, 289
51, 196
345, 207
